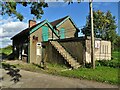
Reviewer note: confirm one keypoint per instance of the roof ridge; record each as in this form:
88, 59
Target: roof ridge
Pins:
61, 18
27, 29
54, 23
57, 21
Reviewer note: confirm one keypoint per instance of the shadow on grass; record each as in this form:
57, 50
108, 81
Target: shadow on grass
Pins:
40, 66
11, 56
13, 72
5, 56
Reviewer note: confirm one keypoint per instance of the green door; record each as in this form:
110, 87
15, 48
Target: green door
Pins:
45, 33
62, 33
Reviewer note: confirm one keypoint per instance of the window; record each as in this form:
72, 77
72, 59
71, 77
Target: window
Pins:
107, 49
97, 44
102, 48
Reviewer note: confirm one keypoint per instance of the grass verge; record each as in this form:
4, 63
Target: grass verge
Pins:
101, 73
106, 72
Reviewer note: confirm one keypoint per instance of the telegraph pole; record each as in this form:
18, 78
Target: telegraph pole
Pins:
92, 36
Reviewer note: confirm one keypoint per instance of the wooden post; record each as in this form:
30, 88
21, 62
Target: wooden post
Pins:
92, 36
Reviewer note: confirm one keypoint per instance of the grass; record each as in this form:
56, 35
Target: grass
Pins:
101, 73
7, 50
115, 56
115, 62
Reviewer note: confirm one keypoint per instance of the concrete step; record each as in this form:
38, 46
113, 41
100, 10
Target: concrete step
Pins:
65, 54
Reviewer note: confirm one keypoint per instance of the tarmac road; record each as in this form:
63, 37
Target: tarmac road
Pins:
39, 80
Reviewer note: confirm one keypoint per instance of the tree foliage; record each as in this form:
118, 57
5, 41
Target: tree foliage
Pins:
36, 7
104, 26
71, 1
117, 43
10, 8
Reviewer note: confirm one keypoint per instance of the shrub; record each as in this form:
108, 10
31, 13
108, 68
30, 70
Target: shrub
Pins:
108, 63
88, 65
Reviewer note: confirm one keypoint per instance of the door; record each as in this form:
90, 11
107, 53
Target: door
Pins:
45, 33
62, 33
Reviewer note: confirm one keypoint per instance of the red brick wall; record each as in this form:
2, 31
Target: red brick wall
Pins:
32, 23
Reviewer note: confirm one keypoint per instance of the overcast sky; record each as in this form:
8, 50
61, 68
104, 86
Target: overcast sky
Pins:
9, 26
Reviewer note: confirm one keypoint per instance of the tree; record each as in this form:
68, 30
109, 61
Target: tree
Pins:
10, 8
104, 26
36, 7
117, 43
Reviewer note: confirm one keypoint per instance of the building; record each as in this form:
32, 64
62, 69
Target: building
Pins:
58, 42
102, 50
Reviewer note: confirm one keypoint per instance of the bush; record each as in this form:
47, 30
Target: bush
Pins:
88, 65
108, 63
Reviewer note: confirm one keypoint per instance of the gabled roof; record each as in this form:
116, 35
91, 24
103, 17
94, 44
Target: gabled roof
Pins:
56, 22
22, 33
34, 28
40, 25
26, 31
53, 24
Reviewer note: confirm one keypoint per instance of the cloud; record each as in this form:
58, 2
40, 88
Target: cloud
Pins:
6, 20
5, 41
8, 30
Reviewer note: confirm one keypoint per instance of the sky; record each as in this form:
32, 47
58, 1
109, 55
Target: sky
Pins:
10, 26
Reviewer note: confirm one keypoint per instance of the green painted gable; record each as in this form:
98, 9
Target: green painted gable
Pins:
42, 24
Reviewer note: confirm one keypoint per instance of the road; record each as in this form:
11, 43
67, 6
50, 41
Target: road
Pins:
39, 80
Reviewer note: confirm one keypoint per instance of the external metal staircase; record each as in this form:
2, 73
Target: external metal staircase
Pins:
74, 64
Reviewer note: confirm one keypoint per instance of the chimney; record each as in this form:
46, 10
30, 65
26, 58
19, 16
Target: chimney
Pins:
32, 23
